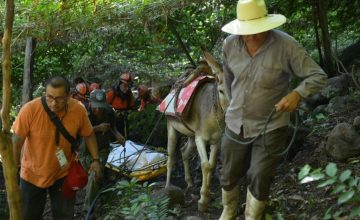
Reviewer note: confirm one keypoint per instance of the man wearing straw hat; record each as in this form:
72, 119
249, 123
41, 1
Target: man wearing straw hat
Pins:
259, 62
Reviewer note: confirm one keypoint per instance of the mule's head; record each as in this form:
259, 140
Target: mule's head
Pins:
218, 72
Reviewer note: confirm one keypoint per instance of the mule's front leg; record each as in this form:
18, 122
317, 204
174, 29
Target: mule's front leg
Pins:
171, 148
205, 169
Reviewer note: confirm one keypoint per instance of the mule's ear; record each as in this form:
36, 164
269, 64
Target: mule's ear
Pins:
213, 63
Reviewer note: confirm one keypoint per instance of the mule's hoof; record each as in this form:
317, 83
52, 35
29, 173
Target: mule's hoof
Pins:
202, 207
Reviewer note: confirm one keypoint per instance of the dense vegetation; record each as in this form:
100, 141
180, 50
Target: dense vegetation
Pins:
98, 39
156, 39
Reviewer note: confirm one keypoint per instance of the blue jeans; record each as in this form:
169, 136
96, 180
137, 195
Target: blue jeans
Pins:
34, 199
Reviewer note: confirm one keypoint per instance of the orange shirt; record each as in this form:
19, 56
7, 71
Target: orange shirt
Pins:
120, 104
39, 164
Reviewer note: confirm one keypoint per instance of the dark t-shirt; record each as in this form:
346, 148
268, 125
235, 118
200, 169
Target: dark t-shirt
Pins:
103, 138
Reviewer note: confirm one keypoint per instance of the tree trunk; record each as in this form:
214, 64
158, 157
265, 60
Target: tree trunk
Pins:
9, 169
28, 70
316, 29
328, 62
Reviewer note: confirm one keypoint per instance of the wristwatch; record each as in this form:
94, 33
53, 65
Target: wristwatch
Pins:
97, 160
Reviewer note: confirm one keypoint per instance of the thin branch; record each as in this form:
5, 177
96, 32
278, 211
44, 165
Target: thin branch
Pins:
181, 43
356, 82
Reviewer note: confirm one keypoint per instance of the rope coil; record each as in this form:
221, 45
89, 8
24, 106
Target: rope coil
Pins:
263, 133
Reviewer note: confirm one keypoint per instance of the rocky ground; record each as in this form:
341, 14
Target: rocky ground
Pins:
288, 200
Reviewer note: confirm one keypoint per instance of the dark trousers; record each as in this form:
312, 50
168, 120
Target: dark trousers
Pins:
34, 199
253, 160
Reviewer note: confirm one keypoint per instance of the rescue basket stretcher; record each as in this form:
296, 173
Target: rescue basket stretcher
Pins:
136, 161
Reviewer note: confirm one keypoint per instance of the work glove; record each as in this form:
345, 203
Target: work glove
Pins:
288, 103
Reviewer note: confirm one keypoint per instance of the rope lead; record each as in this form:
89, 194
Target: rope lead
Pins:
263, 132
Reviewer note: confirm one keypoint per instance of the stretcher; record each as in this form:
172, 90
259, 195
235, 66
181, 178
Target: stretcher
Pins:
136, 161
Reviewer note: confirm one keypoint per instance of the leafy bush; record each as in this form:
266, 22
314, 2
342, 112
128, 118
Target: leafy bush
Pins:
142, 123
131, 200
345, 187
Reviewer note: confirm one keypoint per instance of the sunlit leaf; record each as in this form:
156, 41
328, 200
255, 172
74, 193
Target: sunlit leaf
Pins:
279, 216
304, 171
354, 161
338, 188
123, 183
337, 214
326, 182
327, 214
345, 175
313, 177
331, 169
353, 181
320, 116
346, 196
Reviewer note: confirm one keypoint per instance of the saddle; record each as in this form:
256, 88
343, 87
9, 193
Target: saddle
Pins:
179, 100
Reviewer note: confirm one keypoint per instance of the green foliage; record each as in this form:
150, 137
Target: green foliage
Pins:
141, 124
330, 92
106, 37
39, 91
280, 205
354, 93
318, 123
345, 187
102, 38
133, 201
278, 216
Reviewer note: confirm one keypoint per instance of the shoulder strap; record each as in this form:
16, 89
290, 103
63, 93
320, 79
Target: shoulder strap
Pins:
59, 126
87, 106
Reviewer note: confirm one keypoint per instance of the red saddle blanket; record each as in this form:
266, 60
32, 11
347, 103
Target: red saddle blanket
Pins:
184, 99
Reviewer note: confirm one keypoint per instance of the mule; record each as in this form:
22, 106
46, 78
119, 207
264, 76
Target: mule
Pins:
203, 126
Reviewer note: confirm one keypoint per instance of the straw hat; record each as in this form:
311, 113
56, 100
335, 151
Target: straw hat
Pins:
252, 18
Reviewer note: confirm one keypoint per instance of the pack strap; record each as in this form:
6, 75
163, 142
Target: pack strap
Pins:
59, 126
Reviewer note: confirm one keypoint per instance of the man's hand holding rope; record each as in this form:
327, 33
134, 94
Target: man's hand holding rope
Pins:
289, 103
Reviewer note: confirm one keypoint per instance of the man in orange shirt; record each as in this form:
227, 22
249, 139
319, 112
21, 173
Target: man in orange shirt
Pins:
45, 154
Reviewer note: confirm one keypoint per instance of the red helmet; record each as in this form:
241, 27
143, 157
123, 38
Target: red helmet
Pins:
93, 86
143, 90
126, 78
81, 89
